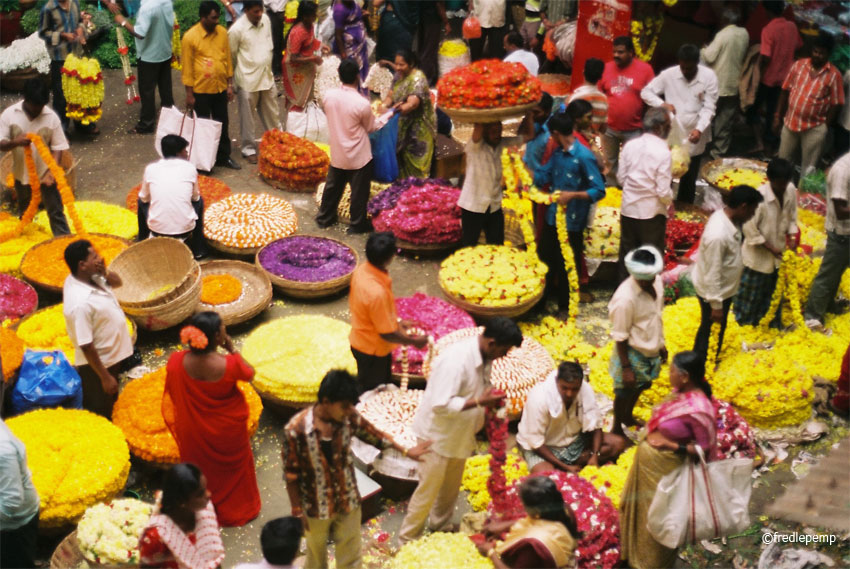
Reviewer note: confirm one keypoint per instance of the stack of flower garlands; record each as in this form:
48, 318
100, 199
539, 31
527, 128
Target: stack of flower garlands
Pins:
295, 162
392, 411
487, 84
82, 84
291, 355
109, 533
138, 412
220, 288
77, 459
46, 264
440, 550
493, 275
246, 221
388, 197
212, 190
17, 299
435, 317
307, 259
424, 214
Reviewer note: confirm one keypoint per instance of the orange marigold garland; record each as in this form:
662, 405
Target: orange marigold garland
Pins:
220, 289
35, 199
12, 352
193, 337
295, 162
65, 191
45, 263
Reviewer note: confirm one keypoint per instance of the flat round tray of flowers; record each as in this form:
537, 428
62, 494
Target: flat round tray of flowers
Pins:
308, 266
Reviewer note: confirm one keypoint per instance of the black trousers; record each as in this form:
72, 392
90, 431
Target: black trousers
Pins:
18, 546
704, 331
214, 106
58, 95
372, 371
360, 180
196, 242
428, 43
688, 182
495, 48
276, 19
492, 222
151, 77
550, 253
52, 202
636, 233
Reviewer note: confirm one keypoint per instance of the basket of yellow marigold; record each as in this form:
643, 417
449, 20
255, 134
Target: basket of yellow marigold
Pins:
44, 265
724, 174
212, 190
138, 412
288, 162
12, 354
238, 291
243, 223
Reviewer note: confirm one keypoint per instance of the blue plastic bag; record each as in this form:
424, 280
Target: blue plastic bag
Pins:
46, 379
384, 143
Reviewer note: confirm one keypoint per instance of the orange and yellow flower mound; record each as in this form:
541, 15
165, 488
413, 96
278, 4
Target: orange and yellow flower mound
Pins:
99, 217
46, 264
12, 250
11, 351
77, 459
296, 162
220, 289
246, 221
139, 414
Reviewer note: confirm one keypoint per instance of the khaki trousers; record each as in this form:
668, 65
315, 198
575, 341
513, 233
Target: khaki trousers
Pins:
810, 143
344, 529
437, 492
267, 107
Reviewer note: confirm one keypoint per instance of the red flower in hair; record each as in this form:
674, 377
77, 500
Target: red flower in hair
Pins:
193, 337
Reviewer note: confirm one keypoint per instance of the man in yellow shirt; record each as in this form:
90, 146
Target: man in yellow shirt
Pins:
208, 74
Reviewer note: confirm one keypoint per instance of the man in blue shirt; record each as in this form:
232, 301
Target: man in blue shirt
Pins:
535, 147
153, 31
572, 171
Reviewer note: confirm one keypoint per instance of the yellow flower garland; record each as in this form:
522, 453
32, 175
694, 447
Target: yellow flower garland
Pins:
787, 285
82, 84
176, 47
651, 26
713, 351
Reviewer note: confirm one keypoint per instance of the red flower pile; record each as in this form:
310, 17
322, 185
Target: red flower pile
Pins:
488, 84
426, 214
680, 235
17, 298
496, 426
296, 162
734, 437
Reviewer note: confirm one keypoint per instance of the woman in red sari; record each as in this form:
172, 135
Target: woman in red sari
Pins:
300, 61
209, 420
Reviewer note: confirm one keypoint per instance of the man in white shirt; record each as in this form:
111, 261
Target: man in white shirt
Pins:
170, 203
450, 414
280, 540
765, 238
491, 15
636, 327
645, 174
717, 272
514, 45
725, 56
251, 45
18, 501
689, 91
33, 116
96, 326
561, 426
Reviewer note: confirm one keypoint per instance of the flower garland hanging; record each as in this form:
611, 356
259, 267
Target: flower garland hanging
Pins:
82, 84
35, 198
648, 29
713, 351
496, 425
129, 78
176, 47
787, 286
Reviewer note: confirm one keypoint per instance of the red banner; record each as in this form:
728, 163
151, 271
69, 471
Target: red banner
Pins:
599, 22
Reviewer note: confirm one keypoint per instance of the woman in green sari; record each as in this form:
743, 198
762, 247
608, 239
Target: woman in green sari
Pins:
417, 125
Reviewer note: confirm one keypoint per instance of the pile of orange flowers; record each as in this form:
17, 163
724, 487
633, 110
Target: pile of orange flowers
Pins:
45, 263
11, 351
293, 161
138, 412
220, 289
488, 84
212, 190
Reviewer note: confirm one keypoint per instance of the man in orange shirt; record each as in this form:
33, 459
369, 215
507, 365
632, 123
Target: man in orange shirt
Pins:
375, 328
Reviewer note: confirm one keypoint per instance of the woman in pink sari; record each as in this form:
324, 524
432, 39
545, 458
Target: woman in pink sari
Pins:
684, 420
300, 61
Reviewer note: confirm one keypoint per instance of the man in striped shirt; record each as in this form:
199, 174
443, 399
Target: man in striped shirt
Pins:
812, 93
593, 69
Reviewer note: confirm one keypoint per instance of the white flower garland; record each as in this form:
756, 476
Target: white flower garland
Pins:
28, 52
327, 77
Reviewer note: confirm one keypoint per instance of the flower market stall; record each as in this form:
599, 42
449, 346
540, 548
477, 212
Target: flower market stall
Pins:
242, 223
289, 162
307, 266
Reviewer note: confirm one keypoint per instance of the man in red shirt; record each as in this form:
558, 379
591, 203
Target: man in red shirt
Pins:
622, 82
811, 95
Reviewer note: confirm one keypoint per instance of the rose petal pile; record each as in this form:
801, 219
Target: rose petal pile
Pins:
292, 355
220, 289
305, 258
488, 83
426, 214
440, 550
109, 533
681, 235
17, 298
99, 217
493, 275
45, 264
212, 190
77, 459
392, 412
295, 162
12, 353
138, 412
246, 221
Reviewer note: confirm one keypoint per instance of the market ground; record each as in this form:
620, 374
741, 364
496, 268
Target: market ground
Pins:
113, 163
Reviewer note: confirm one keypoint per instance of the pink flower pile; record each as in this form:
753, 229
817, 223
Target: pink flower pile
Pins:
734, 437
424, 215
17, 298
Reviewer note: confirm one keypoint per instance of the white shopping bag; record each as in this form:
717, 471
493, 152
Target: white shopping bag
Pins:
203, 135
311, 124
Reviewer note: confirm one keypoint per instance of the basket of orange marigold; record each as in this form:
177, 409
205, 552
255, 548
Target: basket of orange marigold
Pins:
238, 291
289, 162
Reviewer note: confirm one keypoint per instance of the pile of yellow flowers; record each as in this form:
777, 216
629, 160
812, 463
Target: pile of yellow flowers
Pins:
13, 250
812, 231
453, 48
138, 412
440, 550
82, 84
493, 275
220, 289
77, 459
99, 217
602, 239
613, 198
476, 472
292, 355
45, 264
610, 478
45, 330
740, 177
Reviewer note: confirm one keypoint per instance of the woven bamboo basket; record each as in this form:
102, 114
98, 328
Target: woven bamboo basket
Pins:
281, 407
299, 289
134, 330
153, 271
485, 312
497, 114
68, 555
15, 80
286, 188
712, 170
256, 291
426, 248
237, 251
171, 312
49, 288
66, 160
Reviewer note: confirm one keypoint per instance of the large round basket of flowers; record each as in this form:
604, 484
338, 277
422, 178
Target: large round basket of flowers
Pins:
243, 223
212, 190
493, 280
238, 291
488, 90
17, 298
109, 532
288, 162
308, 266
724, 174
24, 59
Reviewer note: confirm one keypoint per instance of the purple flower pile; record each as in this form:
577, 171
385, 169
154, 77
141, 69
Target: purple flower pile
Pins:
16, 298
389, 197
426, 214
307, 259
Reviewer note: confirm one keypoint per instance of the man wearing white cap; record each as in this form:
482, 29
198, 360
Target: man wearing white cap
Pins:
636, 327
